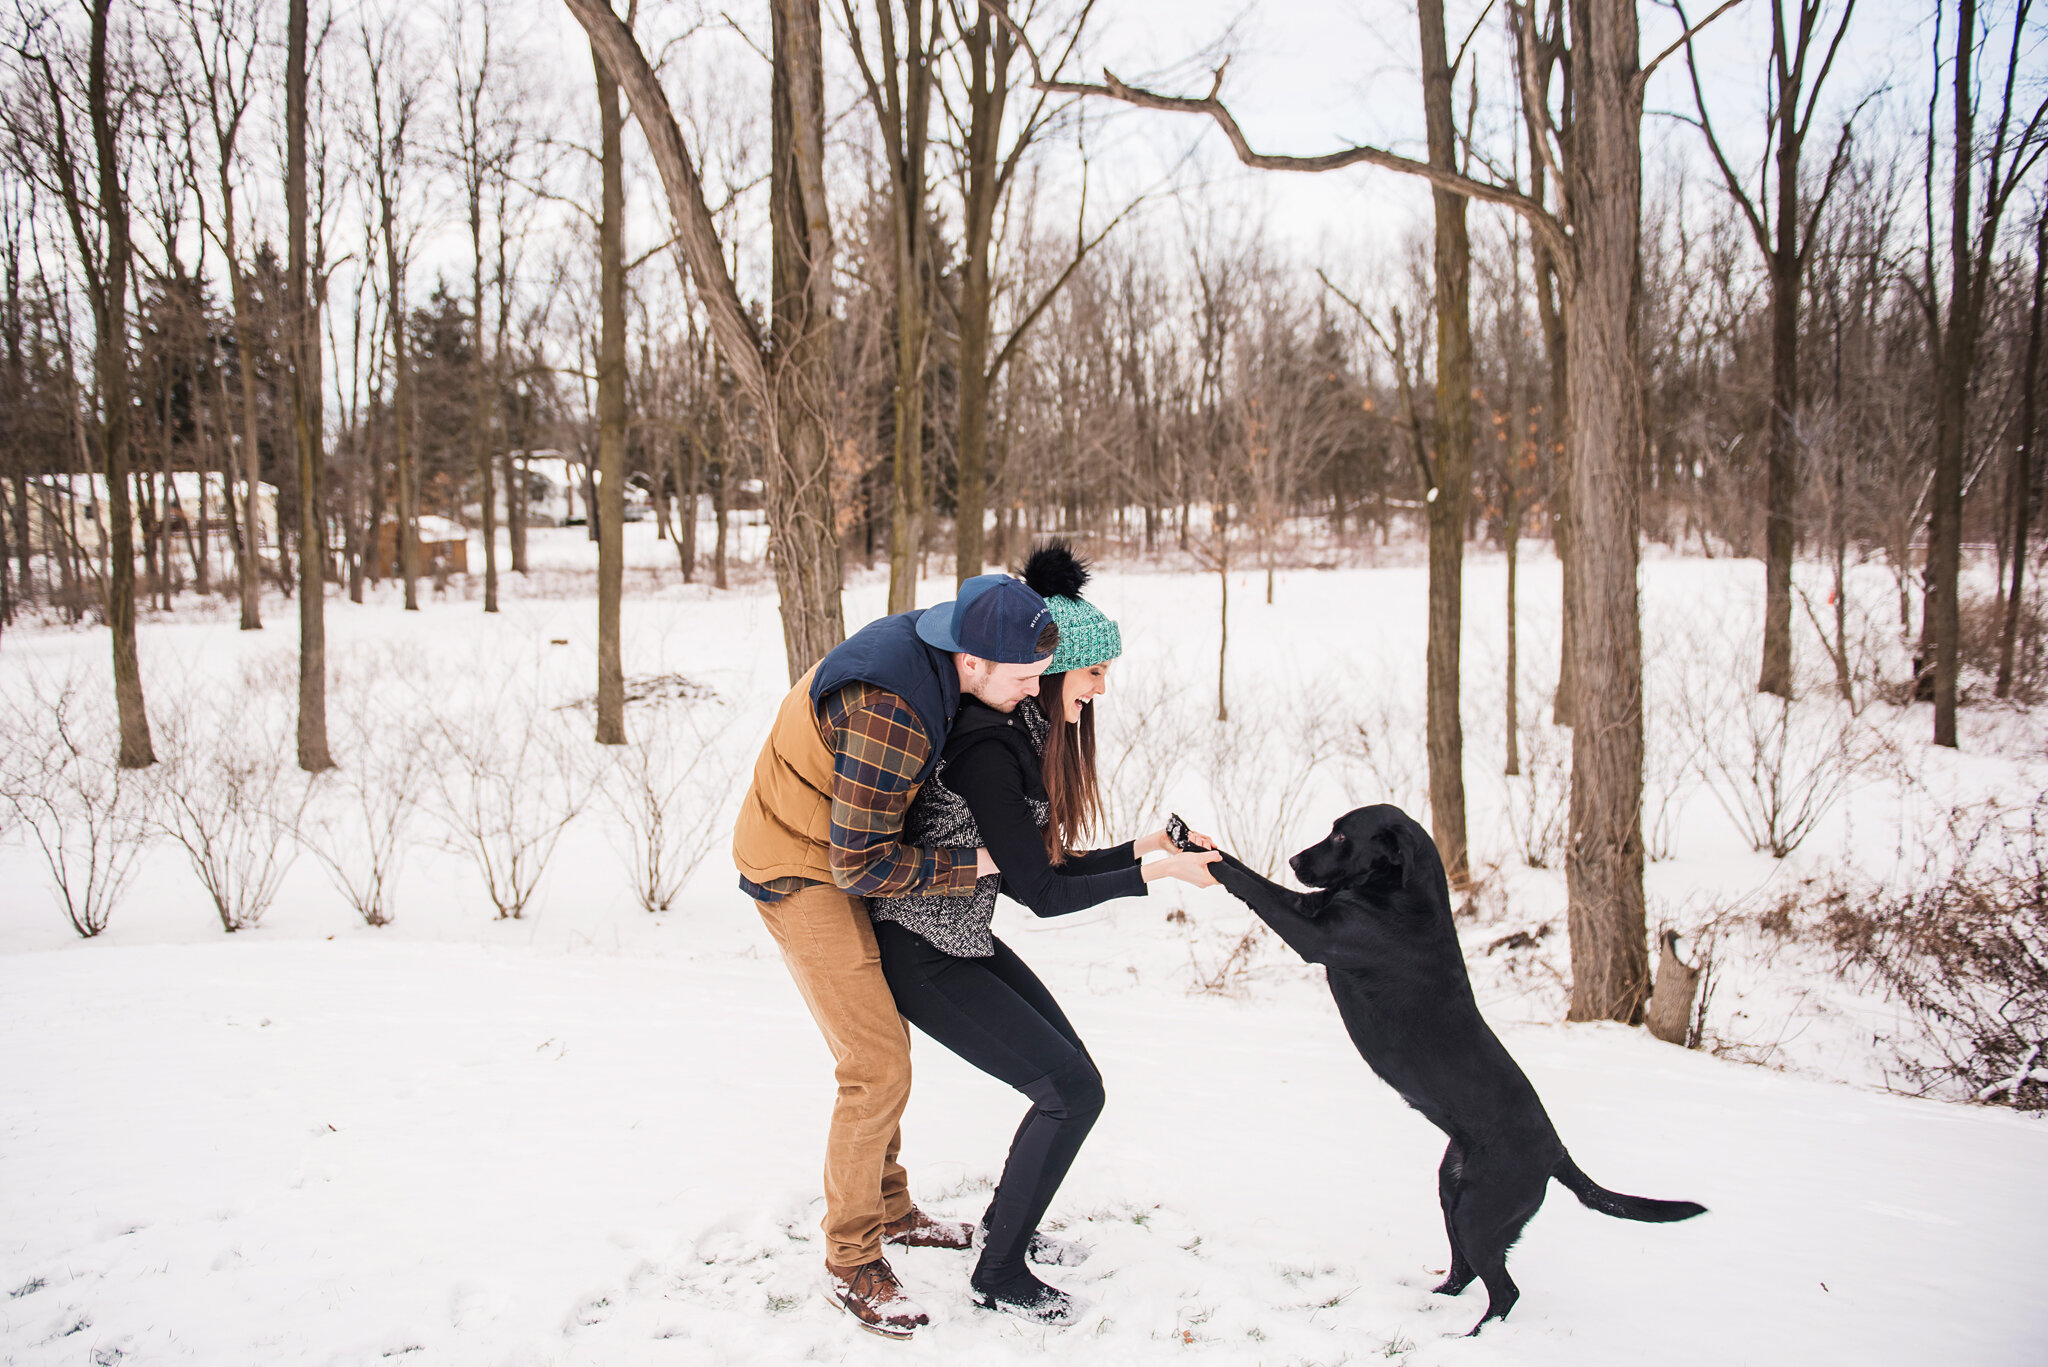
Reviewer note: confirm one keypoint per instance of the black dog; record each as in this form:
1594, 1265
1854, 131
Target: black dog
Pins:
1382, 927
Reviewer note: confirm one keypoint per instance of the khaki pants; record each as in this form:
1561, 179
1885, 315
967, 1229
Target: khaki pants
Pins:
829, 945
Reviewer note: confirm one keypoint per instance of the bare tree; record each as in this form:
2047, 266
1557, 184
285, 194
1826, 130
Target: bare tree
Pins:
395, 91
782, 374
2017, 145
2020, 480
984, 52
1786, 237
99, 229
481, 153
899, 87
226, 36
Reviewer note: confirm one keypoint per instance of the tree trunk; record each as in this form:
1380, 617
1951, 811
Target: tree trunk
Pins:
1955, 358
804, 539
252, 451
608, 510
688, 462
480, 412
110, 355
899, 91
1512, 515
720, 472
1780, 531
1452, 468
407, 535
1604, 867
302, 320
989, 48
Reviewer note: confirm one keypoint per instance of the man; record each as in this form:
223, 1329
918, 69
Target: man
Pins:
820, 831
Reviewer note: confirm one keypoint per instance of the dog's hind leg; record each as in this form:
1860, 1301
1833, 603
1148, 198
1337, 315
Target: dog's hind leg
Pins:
1448, 1175
1489, 1218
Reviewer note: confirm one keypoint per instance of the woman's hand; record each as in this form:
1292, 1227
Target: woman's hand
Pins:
1190, 866
983, 865
1159, 842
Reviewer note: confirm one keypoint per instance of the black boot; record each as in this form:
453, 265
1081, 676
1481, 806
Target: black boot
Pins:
1023, 1295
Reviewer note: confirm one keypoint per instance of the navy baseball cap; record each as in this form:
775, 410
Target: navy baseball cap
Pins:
996, 617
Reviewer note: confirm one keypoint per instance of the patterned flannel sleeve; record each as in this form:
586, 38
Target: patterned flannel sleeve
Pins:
878, 746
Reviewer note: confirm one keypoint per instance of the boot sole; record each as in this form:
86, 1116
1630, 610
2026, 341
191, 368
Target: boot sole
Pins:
879, 1331
984, 1301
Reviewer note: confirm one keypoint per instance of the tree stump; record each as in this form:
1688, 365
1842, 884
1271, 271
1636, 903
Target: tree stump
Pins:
1670, 1012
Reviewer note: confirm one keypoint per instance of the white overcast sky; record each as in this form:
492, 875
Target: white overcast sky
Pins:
1305, 76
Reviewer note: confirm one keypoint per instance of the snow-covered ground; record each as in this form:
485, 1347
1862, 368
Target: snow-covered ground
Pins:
591, 1134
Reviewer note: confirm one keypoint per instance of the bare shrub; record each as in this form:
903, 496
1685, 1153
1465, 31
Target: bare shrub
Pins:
1260, 774
670, 789
1143, 742
1775, 767
1981, 619
1228, 975
1776, 774
1386, 750
230, 794
1539, 798
509, 781
1966, 951
58, 780
362, 823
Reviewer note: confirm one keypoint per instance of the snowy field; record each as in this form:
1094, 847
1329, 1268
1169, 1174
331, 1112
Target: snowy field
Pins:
590, 1134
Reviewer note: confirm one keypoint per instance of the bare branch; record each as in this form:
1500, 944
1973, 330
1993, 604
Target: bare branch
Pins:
698, 233
1684, 41
1540, 220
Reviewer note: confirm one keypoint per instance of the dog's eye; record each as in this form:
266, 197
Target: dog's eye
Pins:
1337, 839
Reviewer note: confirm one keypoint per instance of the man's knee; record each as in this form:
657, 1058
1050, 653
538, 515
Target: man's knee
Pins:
878, 1073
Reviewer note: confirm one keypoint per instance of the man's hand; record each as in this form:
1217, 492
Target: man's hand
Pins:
983, 865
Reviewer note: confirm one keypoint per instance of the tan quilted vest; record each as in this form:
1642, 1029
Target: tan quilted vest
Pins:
785, 821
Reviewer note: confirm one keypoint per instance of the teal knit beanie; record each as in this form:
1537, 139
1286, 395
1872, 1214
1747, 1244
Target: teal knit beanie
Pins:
1086, 636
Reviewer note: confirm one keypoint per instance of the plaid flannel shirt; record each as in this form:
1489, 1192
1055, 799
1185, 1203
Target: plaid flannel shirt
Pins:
878, 746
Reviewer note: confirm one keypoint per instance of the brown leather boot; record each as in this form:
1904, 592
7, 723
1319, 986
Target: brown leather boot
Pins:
872, 1295
919, 1230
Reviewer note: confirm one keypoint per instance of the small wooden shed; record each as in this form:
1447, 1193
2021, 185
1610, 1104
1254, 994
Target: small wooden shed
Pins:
443, 547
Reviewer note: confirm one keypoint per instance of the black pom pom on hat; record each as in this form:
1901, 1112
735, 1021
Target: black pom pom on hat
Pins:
1054, 569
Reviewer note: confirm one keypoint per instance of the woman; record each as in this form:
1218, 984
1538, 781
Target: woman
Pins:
1022, 784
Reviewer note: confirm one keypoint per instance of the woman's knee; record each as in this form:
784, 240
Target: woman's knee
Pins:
1072, 1091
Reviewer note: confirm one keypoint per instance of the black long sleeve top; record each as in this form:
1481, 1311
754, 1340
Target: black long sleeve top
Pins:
991, 778
988, 792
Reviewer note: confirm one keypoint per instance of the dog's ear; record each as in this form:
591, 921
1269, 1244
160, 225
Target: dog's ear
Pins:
1417, 853
1387, 857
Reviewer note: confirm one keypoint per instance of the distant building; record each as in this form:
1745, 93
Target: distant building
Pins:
443, 548
558, 491
74, 508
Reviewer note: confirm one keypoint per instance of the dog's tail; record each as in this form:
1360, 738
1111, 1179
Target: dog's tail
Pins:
1596, 1197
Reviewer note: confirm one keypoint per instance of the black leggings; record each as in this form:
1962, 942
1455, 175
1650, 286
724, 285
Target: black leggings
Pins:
997, 1015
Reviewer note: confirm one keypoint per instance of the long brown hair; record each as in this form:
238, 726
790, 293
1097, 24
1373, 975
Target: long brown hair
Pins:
1068, 770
